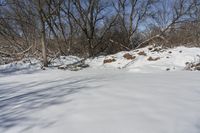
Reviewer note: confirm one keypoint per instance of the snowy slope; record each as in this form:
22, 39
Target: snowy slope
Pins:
169, 59
100, 101
30, 65
104, 98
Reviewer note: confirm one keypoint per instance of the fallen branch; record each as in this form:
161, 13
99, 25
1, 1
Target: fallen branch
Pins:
112, 41
76, 66
152, 38
25, 51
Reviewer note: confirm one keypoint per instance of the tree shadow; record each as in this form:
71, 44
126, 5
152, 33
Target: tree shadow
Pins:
19, 68
18, 100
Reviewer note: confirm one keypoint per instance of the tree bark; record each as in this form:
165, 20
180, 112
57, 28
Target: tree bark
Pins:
44, 46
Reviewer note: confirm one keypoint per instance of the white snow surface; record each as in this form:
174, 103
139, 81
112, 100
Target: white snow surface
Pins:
104, 101
174, 59
140, 98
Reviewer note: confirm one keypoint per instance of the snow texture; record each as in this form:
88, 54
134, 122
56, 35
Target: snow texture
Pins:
141, 98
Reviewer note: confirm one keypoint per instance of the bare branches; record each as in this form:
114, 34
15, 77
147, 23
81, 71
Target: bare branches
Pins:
88, 27
169, 16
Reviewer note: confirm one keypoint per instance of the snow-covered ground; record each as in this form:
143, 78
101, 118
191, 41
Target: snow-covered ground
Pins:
104, 101
168, 59
124, 96
163, 59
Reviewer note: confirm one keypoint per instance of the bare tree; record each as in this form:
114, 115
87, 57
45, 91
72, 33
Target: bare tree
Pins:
45, 11
48, 28
88, 15
169, 15
132, 14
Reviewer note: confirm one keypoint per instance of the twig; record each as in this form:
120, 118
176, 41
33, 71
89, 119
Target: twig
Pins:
152, 38
112, 41
25, 50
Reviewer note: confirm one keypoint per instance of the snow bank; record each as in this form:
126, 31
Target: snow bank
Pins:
148, 59
23, 66
29, 65
166, 59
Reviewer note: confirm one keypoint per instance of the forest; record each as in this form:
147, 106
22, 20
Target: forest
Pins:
46, 29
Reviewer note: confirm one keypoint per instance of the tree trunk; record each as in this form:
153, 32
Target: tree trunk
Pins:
90, 49
44, 46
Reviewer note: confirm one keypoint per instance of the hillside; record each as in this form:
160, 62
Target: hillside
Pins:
148, 59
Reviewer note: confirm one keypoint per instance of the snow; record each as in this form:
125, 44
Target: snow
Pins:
107, 101
173, 59
30, 65
125, 96
26, 65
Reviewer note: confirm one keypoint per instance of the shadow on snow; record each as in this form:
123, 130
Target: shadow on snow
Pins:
17, 100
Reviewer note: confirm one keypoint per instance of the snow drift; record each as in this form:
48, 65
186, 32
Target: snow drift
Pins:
148, 59
105, 97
